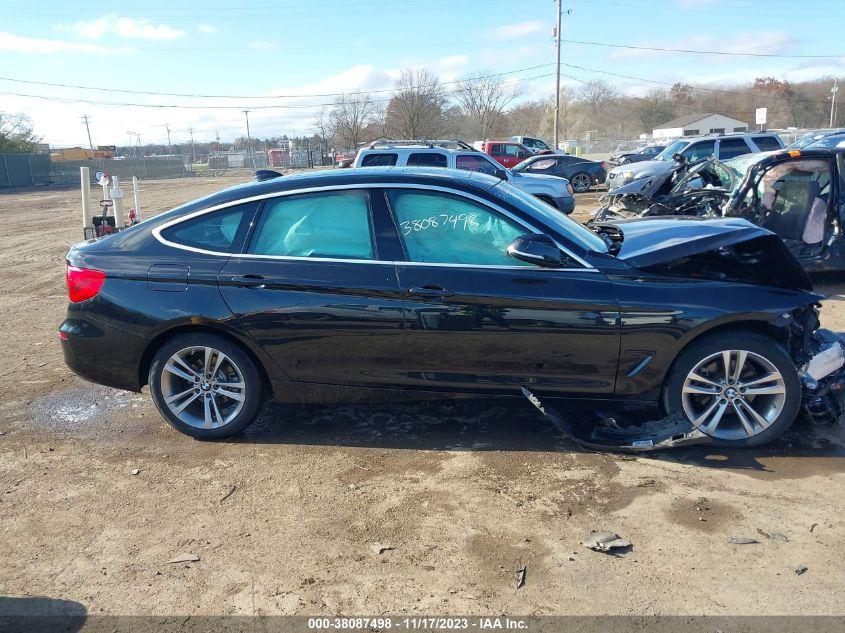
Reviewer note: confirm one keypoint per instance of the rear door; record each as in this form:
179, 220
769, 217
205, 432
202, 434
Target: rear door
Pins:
480, 321
316, 288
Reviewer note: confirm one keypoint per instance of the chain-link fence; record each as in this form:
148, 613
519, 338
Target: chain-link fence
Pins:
122, 169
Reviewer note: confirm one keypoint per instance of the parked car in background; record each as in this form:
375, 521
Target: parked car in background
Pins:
555, 191
534, 144
815, 137
368, 283
649, 152
692, 149
797, 194
830, 141
345, 158
506, 153
580, 172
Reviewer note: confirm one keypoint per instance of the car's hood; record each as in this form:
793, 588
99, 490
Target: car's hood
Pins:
646, 168
731, 249
555, 182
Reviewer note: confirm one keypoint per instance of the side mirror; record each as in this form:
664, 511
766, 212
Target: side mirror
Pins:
537, 249
679, 158
501, 174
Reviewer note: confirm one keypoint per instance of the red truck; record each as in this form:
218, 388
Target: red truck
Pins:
507, 153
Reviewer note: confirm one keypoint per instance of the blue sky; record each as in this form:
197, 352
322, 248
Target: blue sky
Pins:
308, 47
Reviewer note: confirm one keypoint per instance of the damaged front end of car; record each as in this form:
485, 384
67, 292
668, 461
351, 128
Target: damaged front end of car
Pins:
819, 358
725, 250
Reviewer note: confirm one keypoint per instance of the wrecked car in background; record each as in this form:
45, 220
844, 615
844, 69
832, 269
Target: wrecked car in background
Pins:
796, 194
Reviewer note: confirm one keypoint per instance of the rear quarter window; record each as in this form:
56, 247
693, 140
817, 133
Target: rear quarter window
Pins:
220, 231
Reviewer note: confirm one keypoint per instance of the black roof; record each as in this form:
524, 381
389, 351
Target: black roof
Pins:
459, 179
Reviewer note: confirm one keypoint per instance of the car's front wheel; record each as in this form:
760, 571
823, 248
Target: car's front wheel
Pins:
741, 388
205, 385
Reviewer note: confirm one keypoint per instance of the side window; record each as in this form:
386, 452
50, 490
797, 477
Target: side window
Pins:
697, 151
470, 162
427, 159
542, 165
766, 143
330, 224
497, 149
218, 231
379, 160
511, 150
732, 147
442, 228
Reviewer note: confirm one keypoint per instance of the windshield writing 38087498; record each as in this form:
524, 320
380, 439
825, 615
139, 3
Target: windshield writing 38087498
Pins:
461, 221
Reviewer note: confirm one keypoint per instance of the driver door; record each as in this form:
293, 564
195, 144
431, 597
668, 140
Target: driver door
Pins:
478, 320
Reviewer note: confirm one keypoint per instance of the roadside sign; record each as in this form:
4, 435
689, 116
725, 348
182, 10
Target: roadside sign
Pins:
761, 116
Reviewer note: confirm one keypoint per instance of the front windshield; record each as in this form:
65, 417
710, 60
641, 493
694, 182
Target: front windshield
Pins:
523, 165
574, 231
671, 150
828, 141
805, 141
742, 164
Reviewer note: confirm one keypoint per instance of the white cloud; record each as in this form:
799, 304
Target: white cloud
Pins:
517, 30
452, 61
129, 28
20, 44
207, 29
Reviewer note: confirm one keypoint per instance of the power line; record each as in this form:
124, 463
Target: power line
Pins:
701, 52
225, 96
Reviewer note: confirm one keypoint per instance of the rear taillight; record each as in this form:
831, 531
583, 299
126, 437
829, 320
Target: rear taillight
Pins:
83, 283
569, 188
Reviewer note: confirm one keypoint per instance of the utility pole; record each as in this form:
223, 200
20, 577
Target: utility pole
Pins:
88, 129
833, 92
169, 146
557, 74
193, 152
248, 139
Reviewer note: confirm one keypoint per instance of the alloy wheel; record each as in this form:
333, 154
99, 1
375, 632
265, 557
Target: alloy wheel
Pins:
580, 183
203, 387
733, 394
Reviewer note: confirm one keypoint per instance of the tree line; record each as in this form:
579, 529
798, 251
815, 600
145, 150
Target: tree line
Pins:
481, 106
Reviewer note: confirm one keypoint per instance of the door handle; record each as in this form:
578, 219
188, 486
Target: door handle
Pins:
248, 281
430, 290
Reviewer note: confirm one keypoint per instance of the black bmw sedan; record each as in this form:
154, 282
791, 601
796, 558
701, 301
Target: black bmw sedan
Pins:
379, 282
580, 172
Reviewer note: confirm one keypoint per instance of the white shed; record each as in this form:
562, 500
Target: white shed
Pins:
701, 123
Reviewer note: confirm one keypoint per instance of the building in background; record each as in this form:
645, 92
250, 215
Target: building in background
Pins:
701, 123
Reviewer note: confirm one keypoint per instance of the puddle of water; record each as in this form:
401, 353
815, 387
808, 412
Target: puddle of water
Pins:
77, 408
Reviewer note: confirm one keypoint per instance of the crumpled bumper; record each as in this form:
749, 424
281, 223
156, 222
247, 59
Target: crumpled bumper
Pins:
823, 378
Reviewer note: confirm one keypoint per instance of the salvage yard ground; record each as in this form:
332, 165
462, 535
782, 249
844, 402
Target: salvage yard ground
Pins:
400, 509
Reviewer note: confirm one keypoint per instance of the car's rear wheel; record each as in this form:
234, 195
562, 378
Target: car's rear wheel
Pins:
205, 385
581, 182
741, 388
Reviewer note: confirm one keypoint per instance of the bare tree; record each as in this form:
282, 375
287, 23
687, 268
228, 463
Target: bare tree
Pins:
350, 117
16, 135
483, 100
417, 106
598, 97
324, 126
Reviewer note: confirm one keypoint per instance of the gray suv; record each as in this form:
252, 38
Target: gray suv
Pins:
694, 148
550, 189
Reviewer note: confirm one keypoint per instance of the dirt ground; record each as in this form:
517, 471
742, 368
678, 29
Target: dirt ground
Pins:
410, 509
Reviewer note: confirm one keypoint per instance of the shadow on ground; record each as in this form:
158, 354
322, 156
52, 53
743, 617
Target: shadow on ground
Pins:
39, 614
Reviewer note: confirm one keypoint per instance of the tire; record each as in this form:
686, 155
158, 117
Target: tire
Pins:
581, 182
778, 406
214, 408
